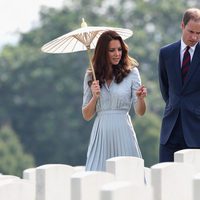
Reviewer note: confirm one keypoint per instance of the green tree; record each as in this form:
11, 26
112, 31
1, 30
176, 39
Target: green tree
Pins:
147, 131
13, 159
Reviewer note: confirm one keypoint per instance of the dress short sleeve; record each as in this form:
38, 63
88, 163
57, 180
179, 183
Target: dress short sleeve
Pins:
87, 94
136, 83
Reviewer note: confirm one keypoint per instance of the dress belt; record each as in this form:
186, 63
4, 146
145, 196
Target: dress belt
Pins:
103, 112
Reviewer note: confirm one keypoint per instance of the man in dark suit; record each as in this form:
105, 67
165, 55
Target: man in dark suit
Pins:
179, 79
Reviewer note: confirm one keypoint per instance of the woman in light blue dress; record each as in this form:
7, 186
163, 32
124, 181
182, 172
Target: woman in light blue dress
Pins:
109, 99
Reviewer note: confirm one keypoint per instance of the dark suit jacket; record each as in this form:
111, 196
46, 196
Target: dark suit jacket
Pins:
184, 98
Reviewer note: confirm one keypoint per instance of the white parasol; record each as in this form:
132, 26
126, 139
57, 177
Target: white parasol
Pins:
82, 39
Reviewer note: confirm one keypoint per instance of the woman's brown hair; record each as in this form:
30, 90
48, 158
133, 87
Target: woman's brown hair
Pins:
100, 59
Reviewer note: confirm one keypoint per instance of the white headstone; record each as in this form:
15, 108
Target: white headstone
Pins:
127, 168
79, 168
196, 187
8, 177
121, 190
16, 189
30, 174
172, 181
190, 156
53, 182
147, 172
86, 185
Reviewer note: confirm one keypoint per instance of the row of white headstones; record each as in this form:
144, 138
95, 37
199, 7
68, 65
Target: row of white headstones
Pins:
126, 178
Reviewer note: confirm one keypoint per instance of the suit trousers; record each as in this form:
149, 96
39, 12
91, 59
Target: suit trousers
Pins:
175, 143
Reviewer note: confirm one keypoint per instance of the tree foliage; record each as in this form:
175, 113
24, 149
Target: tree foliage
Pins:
13, 158
146, 128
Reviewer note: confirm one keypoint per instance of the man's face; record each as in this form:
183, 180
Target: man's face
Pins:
191, 32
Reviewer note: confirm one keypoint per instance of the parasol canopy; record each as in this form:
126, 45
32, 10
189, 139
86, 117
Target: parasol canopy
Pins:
82, 39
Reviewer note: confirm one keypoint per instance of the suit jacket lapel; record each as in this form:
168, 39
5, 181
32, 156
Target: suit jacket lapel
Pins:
177, 63
194, 64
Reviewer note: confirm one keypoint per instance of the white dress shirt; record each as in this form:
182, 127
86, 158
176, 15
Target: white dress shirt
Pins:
183, 48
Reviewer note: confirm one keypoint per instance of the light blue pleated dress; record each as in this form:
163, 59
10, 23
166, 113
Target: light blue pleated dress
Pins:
112, 133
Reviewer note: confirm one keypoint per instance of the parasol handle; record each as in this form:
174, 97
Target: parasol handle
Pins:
91, 65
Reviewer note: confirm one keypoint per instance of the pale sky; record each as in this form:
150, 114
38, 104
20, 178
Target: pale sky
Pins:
20, 16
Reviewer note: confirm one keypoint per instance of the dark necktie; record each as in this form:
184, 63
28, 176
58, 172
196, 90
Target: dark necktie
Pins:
185, 63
